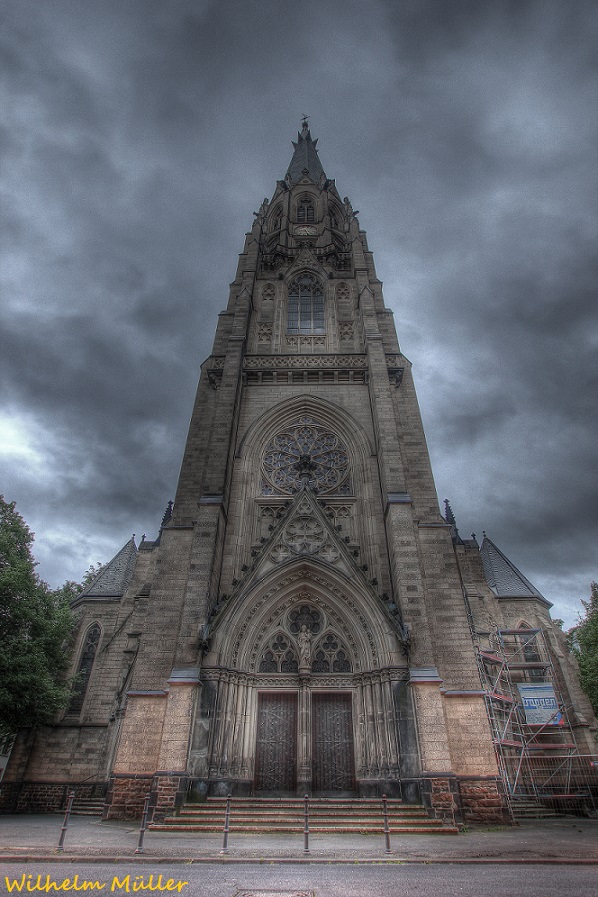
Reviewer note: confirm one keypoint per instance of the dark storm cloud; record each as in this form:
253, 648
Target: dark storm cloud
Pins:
138, 137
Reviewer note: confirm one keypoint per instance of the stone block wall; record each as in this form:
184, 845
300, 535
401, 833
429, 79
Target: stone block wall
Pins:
126, 795
483, 800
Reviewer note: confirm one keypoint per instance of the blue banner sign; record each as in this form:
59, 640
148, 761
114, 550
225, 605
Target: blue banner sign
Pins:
540, 704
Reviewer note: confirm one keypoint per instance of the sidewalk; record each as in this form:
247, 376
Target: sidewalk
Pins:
34, 838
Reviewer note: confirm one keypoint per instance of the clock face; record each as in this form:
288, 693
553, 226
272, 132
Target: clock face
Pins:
306, 230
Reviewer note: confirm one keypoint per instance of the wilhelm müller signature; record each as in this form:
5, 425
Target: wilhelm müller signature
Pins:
130, 884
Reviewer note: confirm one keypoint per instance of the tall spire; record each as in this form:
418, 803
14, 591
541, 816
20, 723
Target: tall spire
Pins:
305, 157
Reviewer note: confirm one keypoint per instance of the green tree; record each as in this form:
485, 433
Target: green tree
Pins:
35, 629
583, 640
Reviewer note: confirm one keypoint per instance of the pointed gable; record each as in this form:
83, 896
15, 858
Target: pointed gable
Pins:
304, 532
503, 577
113, 579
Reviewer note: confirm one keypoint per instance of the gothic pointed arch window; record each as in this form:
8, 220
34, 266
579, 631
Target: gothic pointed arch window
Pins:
86, 661
331, 656
306, 305
279, 656
305, 210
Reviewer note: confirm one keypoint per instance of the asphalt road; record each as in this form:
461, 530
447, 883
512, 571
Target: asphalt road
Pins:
288, 880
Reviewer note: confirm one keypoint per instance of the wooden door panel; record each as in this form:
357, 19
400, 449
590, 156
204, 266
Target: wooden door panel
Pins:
276, 747
332, 743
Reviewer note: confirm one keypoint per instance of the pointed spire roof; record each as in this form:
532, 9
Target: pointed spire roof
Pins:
305, 157
503, 577
113, 579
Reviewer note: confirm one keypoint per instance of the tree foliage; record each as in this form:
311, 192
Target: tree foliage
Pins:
35, 629
583, 640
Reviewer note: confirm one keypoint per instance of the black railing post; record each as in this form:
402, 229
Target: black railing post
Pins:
139, 848
386, 828
65, 824
226, 826
306, 826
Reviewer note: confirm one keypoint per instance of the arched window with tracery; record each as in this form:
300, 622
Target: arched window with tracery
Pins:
88, 654
306, 305
279, 656
330, 656
305, 210
308, 439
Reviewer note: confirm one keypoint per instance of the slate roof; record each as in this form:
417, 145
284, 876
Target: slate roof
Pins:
505, 580
305, 157
113, 580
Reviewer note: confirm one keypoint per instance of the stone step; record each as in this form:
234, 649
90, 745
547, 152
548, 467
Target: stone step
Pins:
432, 828
293, 803
332, 820
286, 815
531, 809
87, 806
280, 817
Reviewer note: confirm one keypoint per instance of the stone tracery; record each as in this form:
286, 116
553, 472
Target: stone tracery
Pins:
281, 469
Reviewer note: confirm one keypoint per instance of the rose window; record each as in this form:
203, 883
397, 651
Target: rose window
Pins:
305, 450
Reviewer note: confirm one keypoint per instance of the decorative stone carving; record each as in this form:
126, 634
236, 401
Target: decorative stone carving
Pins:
253, 362
343, 292
279, 656
304, 535
264, 333
330, 656
307, 437
306, 617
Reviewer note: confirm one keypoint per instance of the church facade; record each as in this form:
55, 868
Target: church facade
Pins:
307, 620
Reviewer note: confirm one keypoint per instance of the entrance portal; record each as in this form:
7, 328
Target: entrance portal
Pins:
276, 749
332, 743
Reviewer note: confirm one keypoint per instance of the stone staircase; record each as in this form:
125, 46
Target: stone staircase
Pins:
286, 815
531, 809
88, 806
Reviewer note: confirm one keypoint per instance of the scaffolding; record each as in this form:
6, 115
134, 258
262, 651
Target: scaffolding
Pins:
534, 742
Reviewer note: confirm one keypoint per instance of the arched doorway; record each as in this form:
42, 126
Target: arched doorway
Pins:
305, 736
300, 691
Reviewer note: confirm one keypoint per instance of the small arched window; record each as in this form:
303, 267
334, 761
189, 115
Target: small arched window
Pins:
90, 646
306, 305
305, 210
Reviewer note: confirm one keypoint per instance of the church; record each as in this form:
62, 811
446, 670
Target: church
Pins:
307, 621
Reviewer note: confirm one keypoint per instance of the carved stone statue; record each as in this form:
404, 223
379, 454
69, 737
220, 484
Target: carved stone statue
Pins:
304, 640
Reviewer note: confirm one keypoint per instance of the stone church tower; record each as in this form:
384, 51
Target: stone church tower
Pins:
304, 621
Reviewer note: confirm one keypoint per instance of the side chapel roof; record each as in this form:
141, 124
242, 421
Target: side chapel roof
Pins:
503, 577
113, 579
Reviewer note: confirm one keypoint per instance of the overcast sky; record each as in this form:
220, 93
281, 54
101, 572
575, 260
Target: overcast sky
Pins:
138, 136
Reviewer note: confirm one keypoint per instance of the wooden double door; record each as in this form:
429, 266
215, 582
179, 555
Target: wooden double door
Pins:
329, 741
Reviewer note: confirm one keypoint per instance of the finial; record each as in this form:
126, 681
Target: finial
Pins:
305, 122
